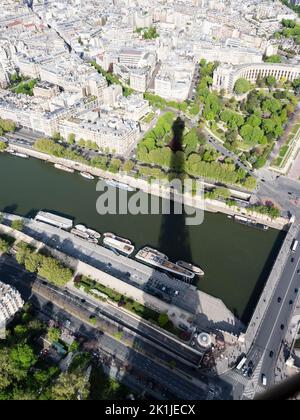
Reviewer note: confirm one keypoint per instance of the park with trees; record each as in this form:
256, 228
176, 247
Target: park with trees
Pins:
27, 374
195, 159
250, 126
291, 30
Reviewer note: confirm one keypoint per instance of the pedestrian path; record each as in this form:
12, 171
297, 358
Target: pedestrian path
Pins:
238, 377
253, 387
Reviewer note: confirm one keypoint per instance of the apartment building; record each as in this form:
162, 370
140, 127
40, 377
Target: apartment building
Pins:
10, 303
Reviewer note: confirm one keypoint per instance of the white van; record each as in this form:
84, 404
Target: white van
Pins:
264, 380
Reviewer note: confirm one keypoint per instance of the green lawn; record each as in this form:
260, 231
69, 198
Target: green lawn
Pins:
283, 151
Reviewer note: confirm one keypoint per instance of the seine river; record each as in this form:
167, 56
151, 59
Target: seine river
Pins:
236, 259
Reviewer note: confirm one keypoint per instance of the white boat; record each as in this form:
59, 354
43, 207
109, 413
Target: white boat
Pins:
90, 232
64, 168
120, 246
156, 259
190, 267
84, 235
118, 238
82, 228
87, 175
119, 185
249, 222
54, 220
93, 233
17, 154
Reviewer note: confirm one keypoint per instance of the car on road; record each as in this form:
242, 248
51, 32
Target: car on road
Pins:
290, 302
282, 326
279, 299
296, 291
264, 379
292, 260
271, 354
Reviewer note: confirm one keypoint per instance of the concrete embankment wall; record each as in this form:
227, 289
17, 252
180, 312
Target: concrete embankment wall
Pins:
270, 286
198, 202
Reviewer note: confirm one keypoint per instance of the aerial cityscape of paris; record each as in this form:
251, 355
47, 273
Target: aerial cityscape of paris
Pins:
150, 217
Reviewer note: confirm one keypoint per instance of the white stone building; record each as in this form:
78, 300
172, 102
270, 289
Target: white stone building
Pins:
107, 130
225, 76
10, 303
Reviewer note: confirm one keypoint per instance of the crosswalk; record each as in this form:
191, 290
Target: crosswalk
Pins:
210, 396
237, 377
253, 386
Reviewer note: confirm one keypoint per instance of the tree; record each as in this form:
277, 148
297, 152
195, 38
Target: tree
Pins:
252, 135
53, 335
53, 271
4, 246
22, 356
163, 319
242, 86
3, 146
17, 224
8, 371
56, 136
233, 119
7, 125
254, 121
128, 166
70, 386
271, 81
250, 183
212, 106
71, 138
33, 261
23, 251
49, 146
296, 83
273, 105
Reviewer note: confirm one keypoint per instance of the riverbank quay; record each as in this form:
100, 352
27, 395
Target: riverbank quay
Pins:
157, 189
131, 278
